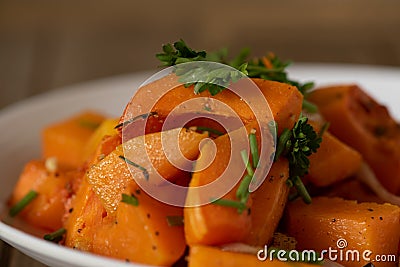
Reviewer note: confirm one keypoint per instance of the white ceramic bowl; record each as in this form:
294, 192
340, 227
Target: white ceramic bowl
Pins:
22, 122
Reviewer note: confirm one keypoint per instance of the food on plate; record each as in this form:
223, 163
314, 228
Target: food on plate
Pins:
333, 162
49, 190
364, 124
361, 226
302, 173
212, 256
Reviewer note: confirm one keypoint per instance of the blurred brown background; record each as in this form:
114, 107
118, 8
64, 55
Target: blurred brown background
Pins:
46, 44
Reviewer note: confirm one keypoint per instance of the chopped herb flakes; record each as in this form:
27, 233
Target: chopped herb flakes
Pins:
142, 116
17, 208
242, 193
145, 172
130, 199
56, 236
269, 67
175, 221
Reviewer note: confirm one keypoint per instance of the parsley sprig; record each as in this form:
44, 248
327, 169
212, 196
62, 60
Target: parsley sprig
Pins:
297, 145
216, 78
212, 77
178, 53
269, 67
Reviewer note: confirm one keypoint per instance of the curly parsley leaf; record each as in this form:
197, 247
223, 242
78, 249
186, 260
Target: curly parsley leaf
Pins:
178, 53
269, 67
213, 78
297, 145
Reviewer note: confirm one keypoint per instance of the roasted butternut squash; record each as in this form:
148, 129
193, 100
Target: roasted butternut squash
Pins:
284, 100
53, 188
333, 162
268, 203
84, 200
362, 123
364, 226
132, 233
106, 128
66, 140
109, 187
213, 224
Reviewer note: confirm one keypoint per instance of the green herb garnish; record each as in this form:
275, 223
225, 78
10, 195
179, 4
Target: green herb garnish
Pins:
178, 53
308, 106
217, 79
141, 116
208, 129
254, 149
246, 162
175, 220
17, 208
143, 169
271, 68
324, 128
130, 199
297, 145
214, 78
56, 236
301, 189
242, 193
239, 205
88, 124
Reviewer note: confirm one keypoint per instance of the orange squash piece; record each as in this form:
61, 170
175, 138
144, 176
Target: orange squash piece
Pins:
333, 162
212, 224
66, 140
362, 123
109, 187
106, 128
85, 201
201, 256
284, 100
268, 203
54, 188
365, 226
132, 233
